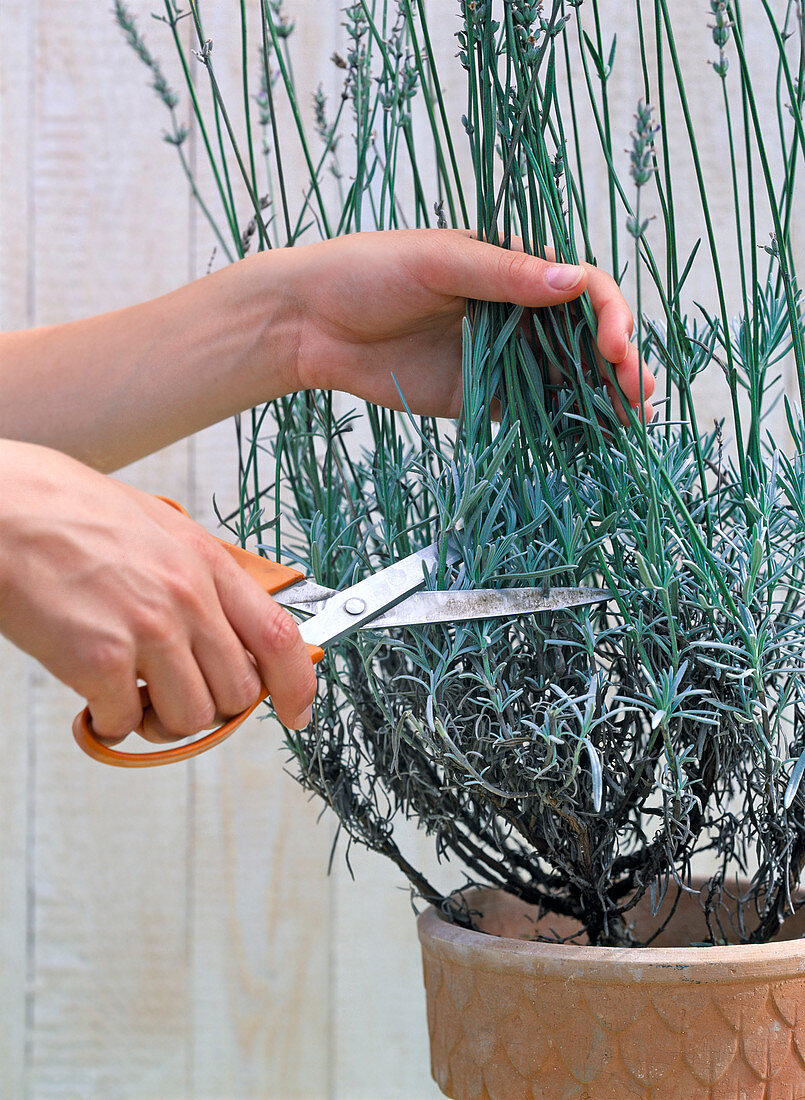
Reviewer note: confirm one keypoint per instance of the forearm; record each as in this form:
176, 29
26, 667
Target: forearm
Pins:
113, 388
374, 314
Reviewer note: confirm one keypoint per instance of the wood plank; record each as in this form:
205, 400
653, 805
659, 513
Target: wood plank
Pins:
17, 28
380, 1031
111, 210
379, 1025
15, 850
261, 902
16, 745
110, 1014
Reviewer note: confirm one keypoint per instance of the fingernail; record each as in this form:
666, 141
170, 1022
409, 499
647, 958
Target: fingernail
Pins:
563, 276
303, 719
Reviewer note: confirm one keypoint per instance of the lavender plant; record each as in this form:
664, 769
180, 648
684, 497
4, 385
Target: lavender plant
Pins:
588, 757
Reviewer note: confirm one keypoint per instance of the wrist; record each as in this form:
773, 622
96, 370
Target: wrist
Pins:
315, 277
271, 311
26, 479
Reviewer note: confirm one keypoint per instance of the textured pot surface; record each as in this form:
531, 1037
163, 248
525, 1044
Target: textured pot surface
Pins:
511, 1019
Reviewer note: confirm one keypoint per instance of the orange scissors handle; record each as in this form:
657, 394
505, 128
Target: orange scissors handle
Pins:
272, 577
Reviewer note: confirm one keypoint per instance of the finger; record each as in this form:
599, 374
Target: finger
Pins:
468, 268
270, 634
110, 742
615, 320
629, 377
181, 703
116, 705
646, 415
229, 671
630, 373
116, 711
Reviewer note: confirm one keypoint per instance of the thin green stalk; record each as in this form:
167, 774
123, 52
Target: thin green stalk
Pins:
172, 21
613, 220
246, 96
667, 192
266, 61
430, 79
798, 341
710, 231
291, 94
292, 235
205, 57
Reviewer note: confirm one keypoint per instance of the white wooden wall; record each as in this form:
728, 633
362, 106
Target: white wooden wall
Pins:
171, 934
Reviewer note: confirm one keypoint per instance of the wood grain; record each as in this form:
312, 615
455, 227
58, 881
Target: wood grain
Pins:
261, 904
110, 1013
16, 744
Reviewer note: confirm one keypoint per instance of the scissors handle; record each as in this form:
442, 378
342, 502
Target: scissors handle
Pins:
271, 576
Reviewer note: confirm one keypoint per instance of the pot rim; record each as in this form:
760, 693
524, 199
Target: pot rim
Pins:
766, 962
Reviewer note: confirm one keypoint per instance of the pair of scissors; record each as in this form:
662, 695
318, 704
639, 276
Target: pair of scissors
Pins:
389, 598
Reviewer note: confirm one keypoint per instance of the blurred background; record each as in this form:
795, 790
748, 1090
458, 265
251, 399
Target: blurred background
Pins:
174, 933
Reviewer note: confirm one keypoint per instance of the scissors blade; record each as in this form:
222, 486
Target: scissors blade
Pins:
305, 596
484, 603
353, 607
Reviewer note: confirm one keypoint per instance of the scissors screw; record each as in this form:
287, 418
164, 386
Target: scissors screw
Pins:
355, 606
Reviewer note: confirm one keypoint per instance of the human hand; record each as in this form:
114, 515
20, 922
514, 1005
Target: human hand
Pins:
105, 585
373, 305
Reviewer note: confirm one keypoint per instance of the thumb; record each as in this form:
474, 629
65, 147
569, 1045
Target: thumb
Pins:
466, 267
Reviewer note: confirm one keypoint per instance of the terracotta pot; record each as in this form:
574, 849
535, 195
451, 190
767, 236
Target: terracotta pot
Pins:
511, 1019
